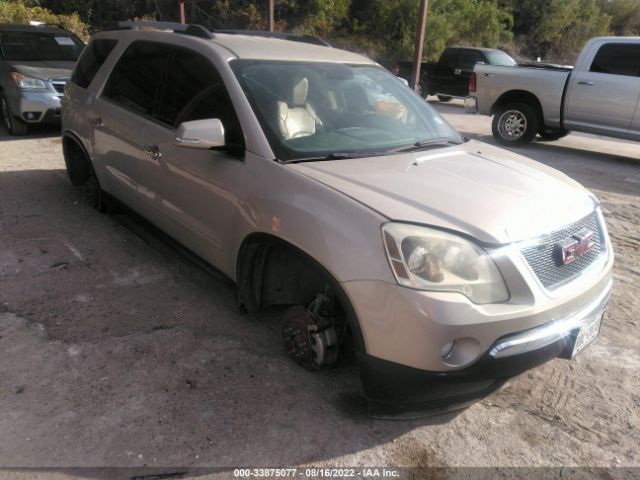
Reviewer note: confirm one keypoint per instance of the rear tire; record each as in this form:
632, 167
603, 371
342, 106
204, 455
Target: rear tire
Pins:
551, 134
444, 98
92, 194
14, 125
82, 175
515, 124
423, 90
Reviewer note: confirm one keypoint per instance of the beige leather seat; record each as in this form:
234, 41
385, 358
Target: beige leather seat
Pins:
296, 118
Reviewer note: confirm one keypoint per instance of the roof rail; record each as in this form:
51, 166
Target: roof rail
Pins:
185, 29
294, 37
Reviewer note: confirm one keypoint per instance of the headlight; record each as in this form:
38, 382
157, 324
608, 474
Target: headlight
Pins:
28, 83
427, 259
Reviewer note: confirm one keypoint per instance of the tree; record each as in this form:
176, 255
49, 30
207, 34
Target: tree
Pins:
21, 11
470, 22
557, 29
625, 16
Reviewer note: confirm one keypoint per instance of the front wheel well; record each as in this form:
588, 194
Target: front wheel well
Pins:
271, 271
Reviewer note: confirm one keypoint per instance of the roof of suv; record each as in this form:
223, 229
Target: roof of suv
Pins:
254, 47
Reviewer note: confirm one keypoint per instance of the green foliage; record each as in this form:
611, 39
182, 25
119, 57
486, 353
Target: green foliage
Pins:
21, 11
383, 29
468, 22
557, 29
625, 16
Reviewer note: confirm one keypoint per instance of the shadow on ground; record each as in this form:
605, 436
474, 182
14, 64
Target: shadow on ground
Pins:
123, 351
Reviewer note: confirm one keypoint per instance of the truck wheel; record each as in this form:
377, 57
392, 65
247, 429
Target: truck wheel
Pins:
444, 98
423, 90
13, 125
552, 133
515, 124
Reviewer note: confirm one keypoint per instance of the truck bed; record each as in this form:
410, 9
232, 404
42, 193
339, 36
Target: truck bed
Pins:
545, 82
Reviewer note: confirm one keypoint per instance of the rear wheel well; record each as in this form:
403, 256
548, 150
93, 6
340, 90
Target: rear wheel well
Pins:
271, 271
519, 96
76, 160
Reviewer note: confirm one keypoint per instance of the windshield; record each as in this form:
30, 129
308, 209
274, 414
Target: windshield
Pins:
498, 57
39, 47
312, 109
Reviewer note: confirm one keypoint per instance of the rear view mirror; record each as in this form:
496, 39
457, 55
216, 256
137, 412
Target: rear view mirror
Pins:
203, 134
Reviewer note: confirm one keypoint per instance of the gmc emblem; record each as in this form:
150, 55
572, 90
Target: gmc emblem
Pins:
574, 247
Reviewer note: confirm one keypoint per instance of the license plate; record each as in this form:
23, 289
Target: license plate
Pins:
587, 334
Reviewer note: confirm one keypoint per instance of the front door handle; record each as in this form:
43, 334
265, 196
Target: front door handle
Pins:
97, 122
457, 71
153, 151
584, 82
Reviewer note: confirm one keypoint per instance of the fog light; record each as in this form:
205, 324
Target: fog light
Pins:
447, 349
30, 115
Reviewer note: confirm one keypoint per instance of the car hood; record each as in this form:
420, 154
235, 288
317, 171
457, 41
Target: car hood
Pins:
486, 192
44, 70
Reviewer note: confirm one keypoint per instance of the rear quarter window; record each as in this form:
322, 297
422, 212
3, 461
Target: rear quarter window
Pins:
91, 60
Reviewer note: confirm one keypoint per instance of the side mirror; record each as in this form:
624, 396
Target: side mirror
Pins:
204, 134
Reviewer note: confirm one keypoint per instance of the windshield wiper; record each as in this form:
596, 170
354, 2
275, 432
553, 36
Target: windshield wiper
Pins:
335, 156
424, 144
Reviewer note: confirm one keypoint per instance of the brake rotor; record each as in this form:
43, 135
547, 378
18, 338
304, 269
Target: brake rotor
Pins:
304, 343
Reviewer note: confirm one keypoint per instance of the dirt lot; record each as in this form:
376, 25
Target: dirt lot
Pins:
119, 350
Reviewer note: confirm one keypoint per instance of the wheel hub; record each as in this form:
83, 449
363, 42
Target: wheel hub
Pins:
305, 342
512, 125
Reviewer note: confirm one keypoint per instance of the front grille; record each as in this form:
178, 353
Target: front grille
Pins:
542, 256
59, 84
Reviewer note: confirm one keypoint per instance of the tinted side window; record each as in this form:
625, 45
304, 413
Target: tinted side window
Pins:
449, 57
214, 102
618, 59
190, 75
135, 79
91, 60
195, 91
468, 58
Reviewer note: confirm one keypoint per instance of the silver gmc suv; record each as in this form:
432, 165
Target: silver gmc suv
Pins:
318, 182
35, 65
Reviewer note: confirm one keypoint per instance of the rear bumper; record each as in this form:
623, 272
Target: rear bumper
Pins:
394, 390
471, 104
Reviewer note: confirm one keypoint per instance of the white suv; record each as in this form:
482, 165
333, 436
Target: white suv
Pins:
316, 180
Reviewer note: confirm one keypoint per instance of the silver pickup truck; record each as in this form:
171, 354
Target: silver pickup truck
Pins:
600, 95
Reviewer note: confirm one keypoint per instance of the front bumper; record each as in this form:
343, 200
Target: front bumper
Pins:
395, 390
36, 107
562, 329
406, 332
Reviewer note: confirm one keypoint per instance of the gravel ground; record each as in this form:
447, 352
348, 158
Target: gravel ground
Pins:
118, 350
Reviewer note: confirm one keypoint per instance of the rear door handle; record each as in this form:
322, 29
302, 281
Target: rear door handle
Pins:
97, 122
152, 150
457, 71
584, 82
